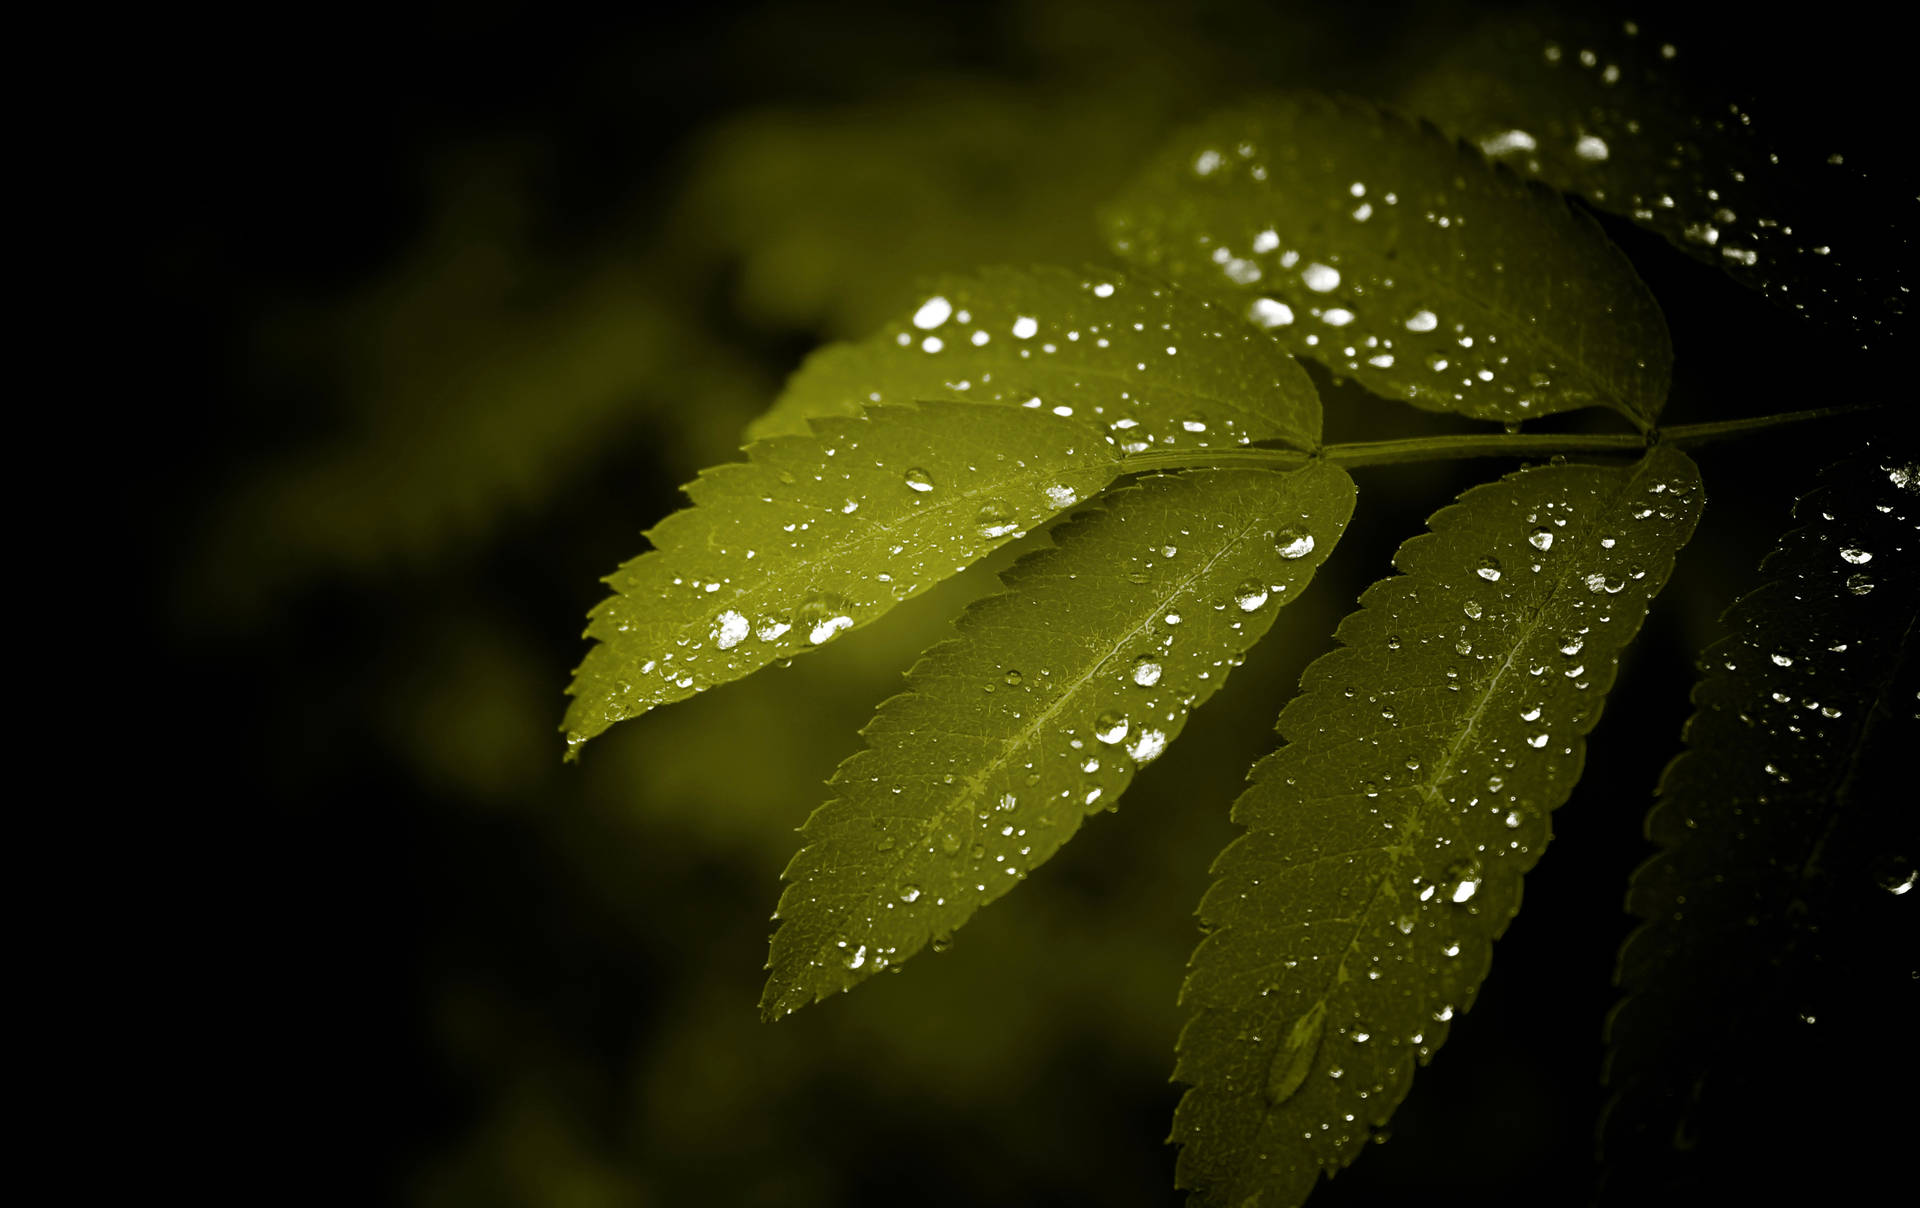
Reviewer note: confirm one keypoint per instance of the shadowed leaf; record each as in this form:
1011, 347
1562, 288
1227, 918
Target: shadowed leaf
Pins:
1788, 841
1039, 713
1157, 366
814, 535
1386, 840
1392, 254
1629, 122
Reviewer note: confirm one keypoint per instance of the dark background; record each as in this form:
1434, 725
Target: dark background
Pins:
438, 309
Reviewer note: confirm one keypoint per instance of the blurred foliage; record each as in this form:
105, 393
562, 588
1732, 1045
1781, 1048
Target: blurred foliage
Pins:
460, 300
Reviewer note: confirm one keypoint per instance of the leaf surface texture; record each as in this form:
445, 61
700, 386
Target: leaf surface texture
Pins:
1394, 255
1157, 366
1039, 713
814, 535
1788, 841
1386, 840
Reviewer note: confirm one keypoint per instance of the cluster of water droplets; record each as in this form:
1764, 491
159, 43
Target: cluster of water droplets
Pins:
1119, 354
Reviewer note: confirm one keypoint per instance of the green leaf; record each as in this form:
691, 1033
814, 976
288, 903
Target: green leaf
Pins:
1632, 124
814, 535
1393, 255
1054, 693
1787, 830
1159, 367
1386, 840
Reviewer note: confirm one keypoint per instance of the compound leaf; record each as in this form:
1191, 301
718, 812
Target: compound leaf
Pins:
1394, 255
1041, 710
1156, 365
813, 535
1630, 123
1386, 840
1788, 835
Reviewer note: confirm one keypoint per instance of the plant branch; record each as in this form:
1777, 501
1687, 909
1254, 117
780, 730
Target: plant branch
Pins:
1492, 444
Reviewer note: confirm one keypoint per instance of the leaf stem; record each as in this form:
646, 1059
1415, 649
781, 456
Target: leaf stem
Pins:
1446, 448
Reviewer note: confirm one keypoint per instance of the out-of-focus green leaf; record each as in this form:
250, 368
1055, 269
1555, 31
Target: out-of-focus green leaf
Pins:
1627, 121
1392, 254
1158, 366
814, 535
1779, 835
1386, 841
1040, 711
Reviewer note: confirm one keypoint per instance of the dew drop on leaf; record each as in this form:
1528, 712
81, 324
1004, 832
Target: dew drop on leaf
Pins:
1541, 538
918, 479
1146, 671
1249, 596
1111, 727
1858, 557
1293, 543
995, 519
1489, 569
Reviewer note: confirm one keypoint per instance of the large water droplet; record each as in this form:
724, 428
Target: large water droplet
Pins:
1859, 584
1111, 727
1858, 557
1148, 746
1462, 881
909, 893
995, 519
932, 313
1250, 596
1293, 543
729, 630
1541, 538
1489, 569
1146, 671
918, 479
824, 617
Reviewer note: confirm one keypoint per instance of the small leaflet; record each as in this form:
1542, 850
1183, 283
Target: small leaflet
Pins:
1040, 712
813, 536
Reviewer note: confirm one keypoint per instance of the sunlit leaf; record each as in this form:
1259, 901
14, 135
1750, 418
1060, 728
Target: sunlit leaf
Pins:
1632, 123
1392, 254
1386, 840
1787, 827
1039, 713
814, 535
1155, 365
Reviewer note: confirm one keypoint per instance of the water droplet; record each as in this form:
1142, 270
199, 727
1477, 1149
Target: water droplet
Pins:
1541, 538
918, 479
941, 943
1531, 713
1320, 278
1111, 727
857, 957
1025, 328
1858, 557
1268, 313
1293, 543
1463, 881
824, 617
768, 629
1147, 747
1782, 660
1591, 149
1473, 610
1859, 584
950, 843
729, 630
1250, 596
932, 313
909, 893
1489, 570
1146, 671
1572, 644
995, 519
1013, 679
1423, 320
1062, 496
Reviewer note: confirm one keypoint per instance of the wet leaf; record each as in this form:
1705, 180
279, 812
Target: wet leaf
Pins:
1633, 124
1156, 366
1386, 840
1039, 713
1392, 254
815, 535
1786, 830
